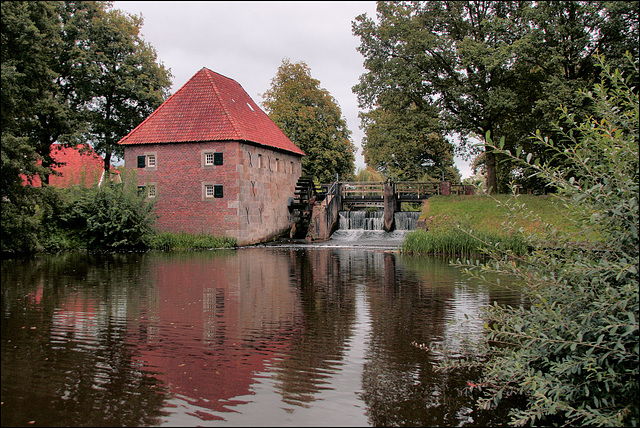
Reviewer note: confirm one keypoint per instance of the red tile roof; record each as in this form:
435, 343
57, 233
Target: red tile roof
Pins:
210, 107
78, 167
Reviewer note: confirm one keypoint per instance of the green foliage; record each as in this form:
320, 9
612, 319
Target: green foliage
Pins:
167, 241
121, 81
573, 352
368, 174
469, 68
312, 119
112, 217
406, 143
455, 241
71, 72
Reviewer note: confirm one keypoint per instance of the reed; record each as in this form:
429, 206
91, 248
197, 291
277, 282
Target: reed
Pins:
455, 241
493, 221
167, 241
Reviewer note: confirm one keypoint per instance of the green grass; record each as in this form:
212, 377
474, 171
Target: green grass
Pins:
466, 225
167, 241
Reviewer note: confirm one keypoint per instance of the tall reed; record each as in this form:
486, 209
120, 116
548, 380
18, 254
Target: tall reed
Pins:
455, 241
167, 241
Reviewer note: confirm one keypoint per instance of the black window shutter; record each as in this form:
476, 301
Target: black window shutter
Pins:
217, 158
142, 161
217, 191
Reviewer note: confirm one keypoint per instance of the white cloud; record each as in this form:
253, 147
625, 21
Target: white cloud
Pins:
247, 41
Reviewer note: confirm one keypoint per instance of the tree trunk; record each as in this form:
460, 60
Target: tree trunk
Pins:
490, 165
107, 165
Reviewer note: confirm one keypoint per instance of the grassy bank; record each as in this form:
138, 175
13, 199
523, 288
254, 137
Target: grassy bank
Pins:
465, 225
167, 241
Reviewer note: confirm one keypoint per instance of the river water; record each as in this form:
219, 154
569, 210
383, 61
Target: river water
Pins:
288, 335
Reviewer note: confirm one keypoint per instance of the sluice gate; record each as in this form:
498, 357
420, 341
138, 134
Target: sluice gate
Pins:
316, 209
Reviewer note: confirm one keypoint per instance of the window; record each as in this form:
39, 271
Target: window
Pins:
212, 158
260, 162
208, 158
213, 191
148, 160
150, 190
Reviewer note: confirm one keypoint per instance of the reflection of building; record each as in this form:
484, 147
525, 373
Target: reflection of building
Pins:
206, 333
215, 163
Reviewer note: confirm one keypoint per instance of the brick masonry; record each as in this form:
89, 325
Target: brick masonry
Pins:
257, 183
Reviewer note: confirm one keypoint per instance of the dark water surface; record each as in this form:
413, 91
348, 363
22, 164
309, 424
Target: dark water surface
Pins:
260, 336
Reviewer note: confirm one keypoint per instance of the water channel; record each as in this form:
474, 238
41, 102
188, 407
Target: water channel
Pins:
285, 335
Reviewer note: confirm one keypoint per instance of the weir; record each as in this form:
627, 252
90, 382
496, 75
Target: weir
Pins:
315, 208
374, 220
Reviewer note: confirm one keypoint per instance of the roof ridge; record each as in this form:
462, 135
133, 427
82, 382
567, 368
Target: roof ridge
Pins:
216, 91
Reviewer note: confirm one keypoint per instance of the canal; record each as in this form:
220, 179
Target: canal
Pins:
295, 335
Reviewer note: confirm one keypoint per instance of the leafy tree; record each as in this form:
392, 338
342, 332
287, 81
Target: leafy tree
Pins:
573, 354
35, 109
120, 82
556, 59
404, 146
32, 114
312, 119
489, 67
453, 57
71, 72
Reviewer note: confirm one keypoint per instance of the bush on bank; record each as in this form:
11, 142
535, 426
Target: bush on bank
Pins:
573, 354
113, 217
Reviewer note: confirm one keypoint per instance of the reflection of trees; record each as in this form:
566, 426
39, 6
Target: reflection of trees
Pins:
416, 300
65, 359
328, 315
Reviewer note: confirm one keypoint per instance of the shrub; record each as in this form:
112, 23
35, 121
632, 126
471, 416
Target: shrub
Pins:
111, 217
574, 353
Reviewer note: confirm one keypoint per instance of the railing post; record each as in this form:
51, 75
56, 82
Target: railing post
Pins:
389, 197
445, 188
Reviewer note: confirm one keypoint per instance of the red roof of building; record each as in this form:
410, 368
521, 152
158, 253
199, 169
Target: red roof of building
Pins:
210, 107
79, 165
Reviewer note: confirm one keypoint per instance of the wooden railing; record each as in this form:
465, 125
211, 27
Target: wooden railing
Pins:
403, 190
416, 189
363, 190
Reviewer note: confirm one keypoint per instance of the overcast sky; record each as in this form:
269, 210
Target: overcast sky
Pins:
246, 41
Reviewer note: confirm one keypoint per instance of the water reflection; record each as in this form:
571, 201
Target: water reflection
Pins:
255, 336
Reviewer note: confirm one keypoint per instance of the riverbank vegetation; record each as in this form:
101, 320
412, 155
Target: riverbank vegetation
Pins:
113, 217
167, 241
469, 225
572, 354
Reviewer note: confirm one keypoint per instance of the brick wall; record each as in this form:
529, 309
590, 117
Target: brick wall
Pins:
256, 185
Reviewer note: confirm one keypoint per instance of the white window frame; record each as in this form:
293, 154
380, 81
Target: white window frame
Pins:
152, 190
208, 158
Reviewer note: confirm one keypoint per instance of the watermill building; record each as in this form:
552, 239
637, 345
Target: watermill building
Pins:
214, 162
